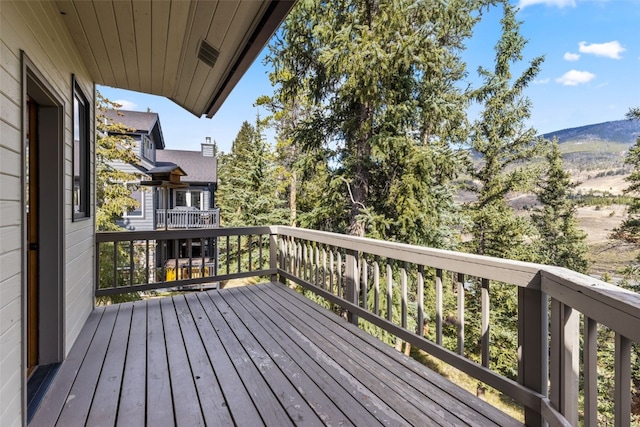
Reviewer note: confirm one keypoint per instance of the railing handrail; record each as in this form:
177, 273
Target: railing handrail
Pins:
172, 234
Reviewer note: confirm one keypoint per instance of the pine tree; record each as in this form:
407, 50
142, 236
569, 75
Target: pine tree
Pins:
503, 143
556, 221
378, 82
248, 192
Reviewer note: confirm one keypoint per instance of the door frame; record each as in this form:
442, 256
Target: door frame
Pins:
51, 223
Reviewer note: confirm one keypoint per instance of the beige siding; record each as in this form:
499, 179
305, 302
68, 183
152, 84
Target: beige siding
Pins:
37, 29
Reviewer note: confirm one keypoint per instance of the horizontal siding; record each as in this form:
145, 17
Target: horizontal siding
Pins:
37, 29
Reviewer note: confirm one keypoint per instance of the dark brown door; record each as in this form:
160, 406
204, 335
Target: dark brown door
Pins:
32, 236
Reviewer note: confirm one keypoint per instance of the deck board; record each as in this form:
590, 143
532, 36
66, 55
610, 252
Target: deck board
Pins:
251, 356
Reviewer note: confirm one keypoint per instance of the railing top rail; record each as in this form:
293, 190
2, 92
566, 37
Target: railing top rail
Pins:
516, 272
121, 236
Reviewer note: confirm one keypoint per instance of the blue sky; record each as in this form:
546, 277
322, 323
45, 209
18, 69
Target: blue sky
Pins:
591, 72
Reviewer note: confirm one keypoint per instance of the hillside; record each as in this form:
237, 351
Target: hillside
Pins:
619, 132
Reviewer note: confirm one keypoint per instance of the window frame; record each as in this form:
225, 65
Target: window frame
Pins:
81, 149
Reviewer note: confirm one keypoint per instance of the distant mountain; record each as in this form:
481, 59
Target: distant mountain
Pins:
619, 131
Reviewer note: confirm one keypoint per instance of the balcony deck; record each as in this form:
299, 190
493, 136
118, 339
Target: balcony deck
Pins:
256, 355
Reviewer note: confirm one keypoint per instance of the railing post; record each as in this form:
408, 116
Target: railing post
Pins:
565, 327
533, 344
351, 273
273, 258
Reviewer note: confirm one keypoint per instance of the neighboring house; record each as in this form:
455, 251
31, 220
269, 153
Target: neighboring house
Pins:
53, 55
190, 207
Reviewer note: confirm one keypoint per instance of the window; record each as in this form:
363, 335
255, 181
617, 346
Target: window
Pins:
81, 113
147, 148
138, 195
188, 198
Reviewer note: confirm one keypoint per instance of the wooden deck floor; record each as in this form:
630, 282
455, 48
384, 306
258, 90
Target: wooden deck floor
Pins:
250, 356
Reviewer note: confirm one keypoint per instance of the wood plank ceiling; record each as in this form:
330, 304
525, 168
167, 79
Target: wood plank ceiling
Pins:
153, 46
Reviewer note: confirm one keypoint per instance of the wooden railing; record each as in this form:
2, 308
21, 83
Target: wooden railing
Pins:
187, 218
404, 290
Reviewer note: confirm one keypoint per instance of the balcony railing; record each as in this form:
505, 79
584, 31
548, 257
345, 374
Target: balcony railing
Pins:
396, 287
187, 218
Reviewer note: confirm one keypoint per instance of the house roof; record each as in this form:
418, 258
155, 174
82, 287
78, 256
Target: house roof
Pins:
192, 52
199, 168
140, 122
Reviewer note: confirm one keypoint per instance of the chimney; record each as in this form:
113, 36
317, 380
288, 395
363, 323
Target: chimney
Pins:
208, 149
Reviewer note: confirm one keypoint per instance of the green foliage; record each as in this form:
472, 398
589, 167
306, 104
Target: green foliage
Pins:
504, 143
556, 221
372, 88
248, 192
113, 197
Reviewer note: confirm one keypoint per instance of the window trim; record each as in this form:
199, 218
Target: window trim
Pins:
80, 105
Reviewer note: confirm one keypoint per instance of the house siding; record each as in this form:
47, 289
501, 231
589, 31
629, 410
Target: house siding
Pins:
37, 29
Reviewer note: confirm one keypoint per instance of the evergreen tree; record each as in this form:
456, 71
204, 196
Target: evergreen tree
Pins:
559, 241
378, 81
503, 143
248, 192
113, 197
629, 230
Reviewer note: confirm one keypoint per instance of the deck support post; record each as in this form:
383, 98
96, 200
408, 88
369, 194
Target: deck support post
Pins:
533, 344
351, 282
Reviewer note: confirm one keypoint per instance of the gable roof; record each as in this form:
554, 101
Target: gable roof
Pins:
140, 122
199, 168
192, 52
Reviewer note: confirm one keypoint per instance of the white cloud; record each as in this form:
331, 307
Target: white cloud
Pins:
126, 105
541, 81
610, 49
556, 3
571, 56
574, 78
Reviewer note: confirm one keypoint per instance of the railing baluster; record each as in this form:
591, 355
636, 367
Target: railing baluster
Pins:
227, 250
340, 284
147, 260
249, 243
438, 285
115, 264
389, 290
331, 270
460, 325
403, 289
364, 283
485, 307
190, 257
324, 267
351, 276
590, 372
622, 393
131, 264
420, 302
239, 254
376, 285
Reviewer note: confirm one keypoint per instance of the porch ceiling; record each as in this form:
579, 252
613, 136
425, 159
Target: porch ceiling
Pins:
153, 46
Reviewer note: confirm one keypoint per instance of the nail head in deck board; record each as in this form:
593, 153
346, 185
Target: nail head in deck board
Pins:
458, 395
105, 402
318, 383
131, 411
212, 401
52, 403
239, 402
271, 412
183, 389
159, 400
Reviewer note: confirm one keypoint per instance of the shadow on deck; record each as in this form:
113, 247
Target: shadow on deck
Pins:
255, 355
